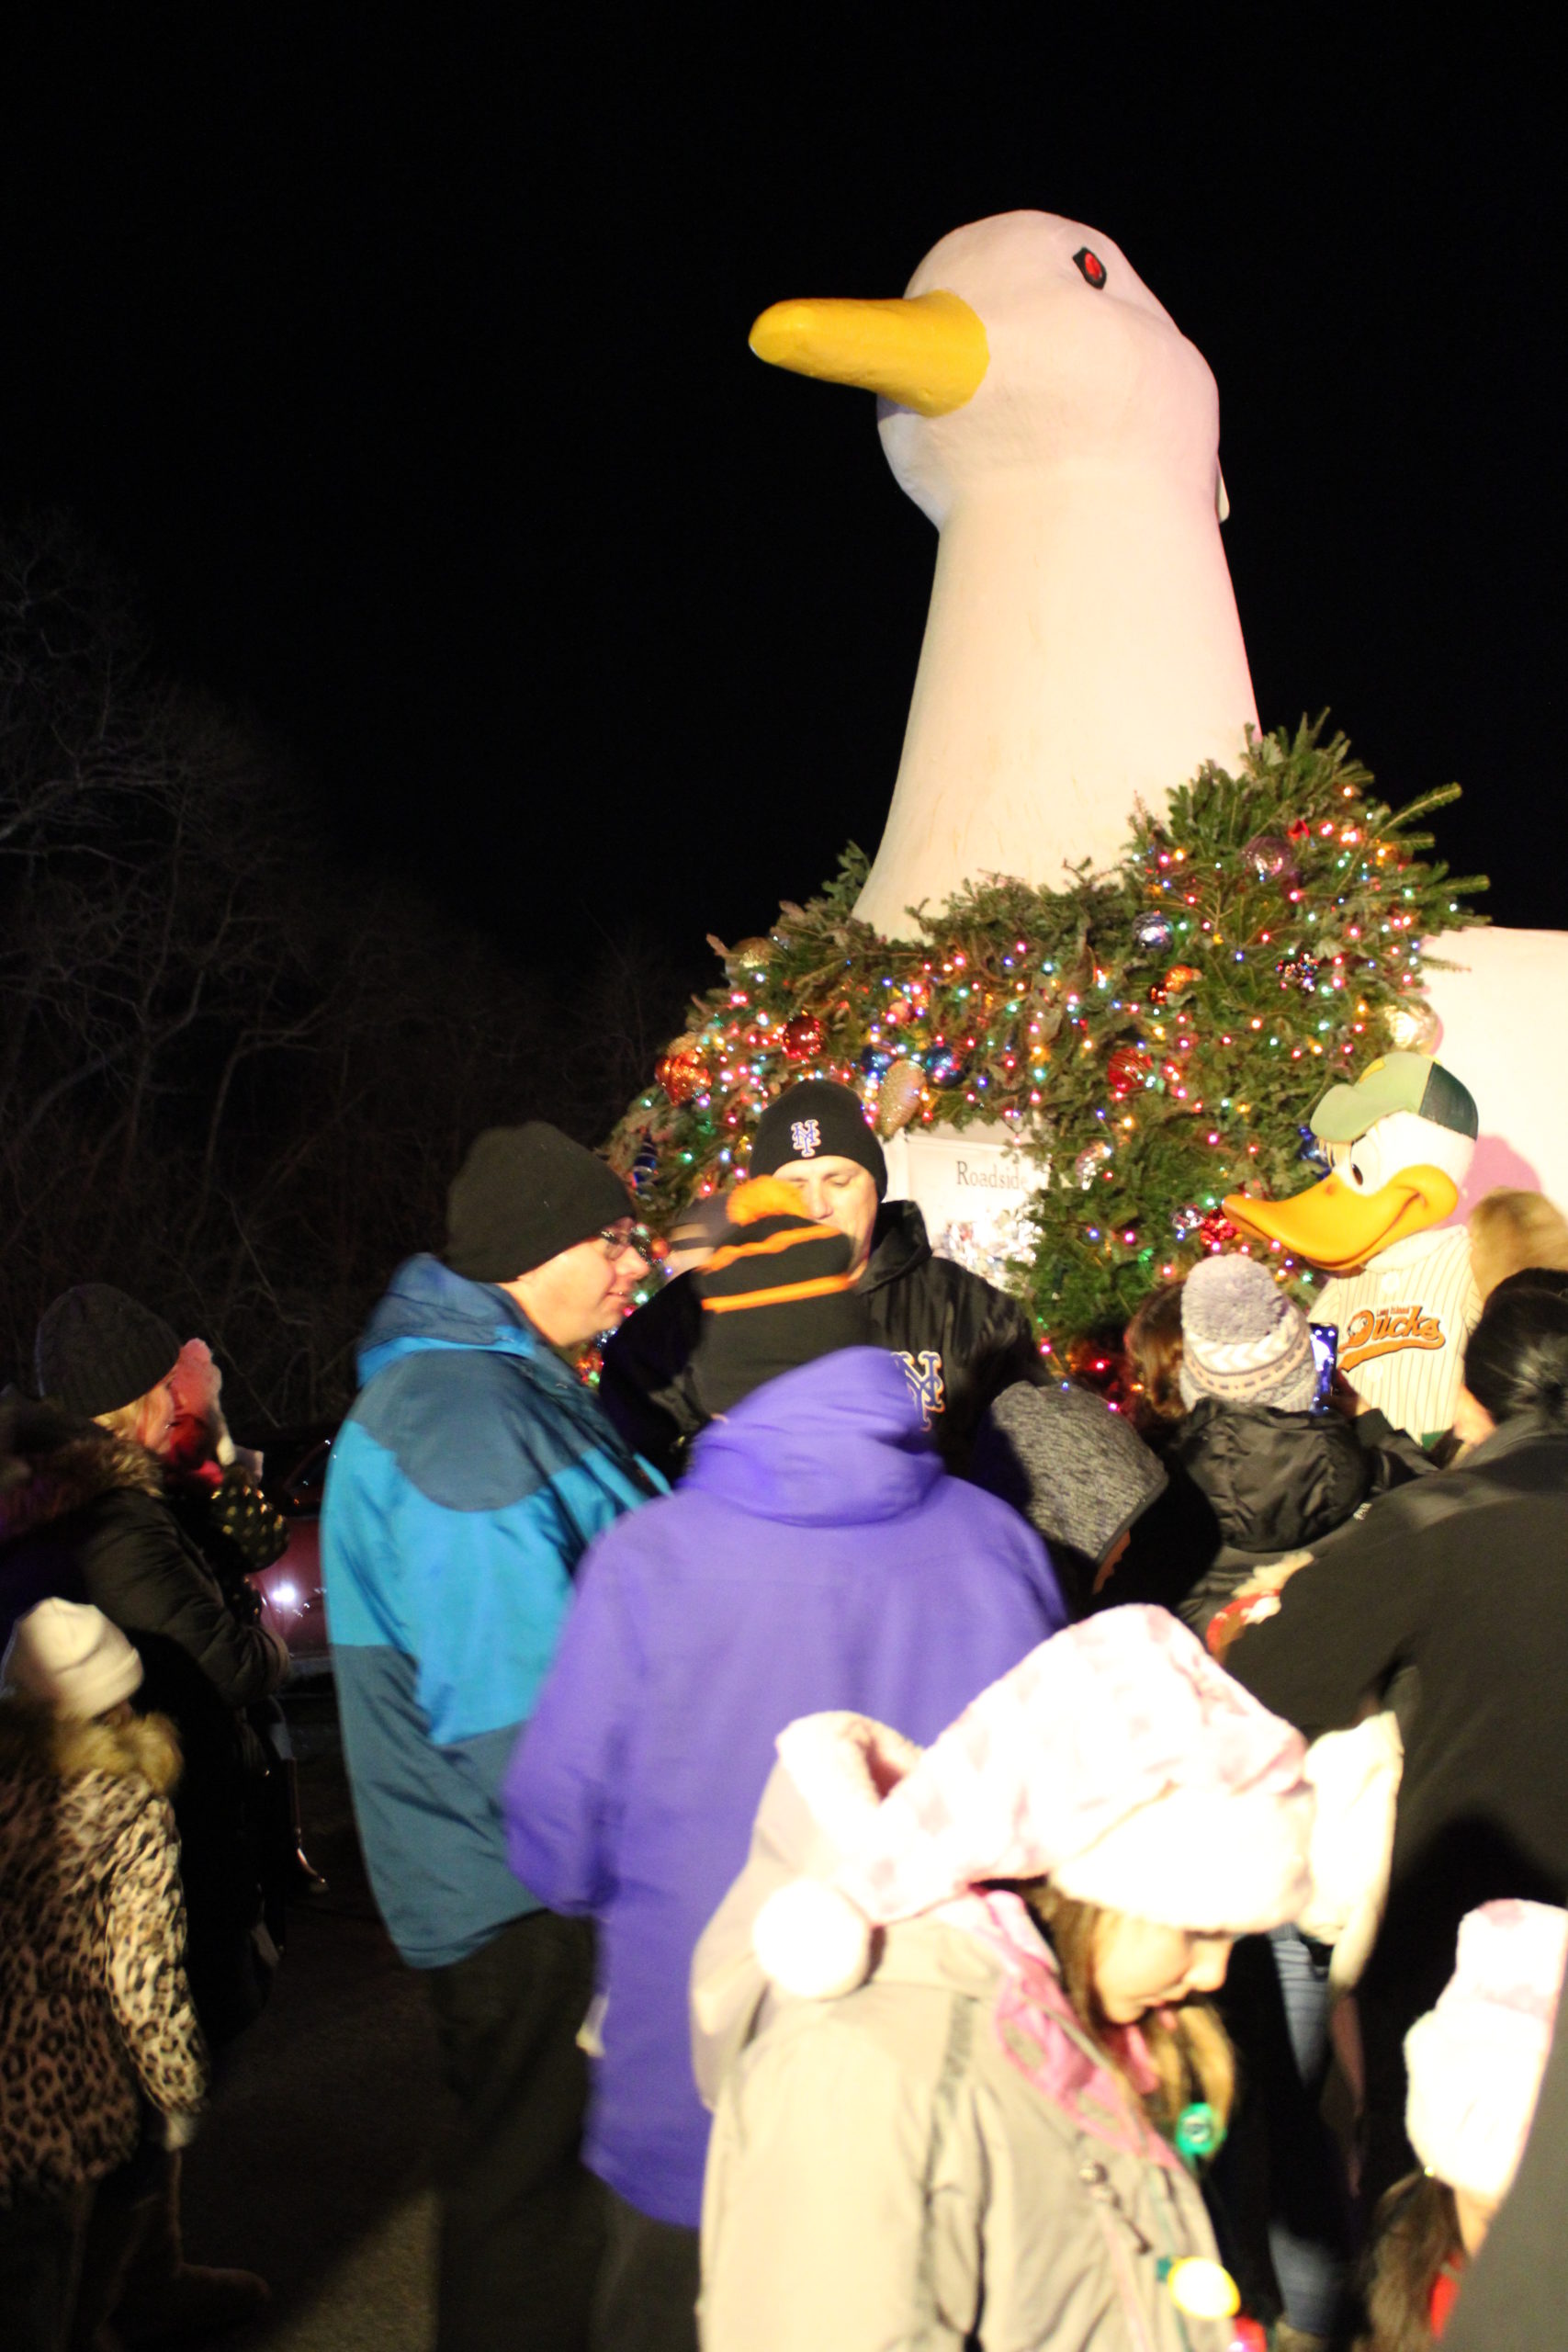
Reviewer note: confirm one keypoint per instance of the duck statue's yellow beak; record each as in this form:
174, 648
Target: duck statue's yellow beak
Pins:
927, 352
1339, 1228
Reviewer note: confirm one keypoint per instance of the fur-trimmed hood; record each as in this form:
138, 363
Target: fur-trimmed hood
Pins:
35, 1741
97, 2023
51, 1465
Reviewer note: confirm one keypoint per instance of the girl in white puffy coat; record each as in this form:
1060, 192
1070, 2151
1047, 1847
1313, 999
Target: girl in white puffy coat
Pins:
951, 2012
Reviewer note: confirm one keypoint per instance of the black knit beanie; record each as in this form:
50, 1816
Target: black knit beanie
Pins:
778, 1295
524, 1194
98, 1350
812, 1120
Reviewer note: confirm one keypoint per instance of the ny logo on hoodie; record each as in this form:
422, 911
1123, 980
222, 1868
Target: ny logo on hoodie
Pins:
924, 1377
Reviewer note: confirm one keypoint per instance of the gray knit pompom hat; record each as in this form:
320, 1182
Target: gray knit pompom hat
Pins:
1243, 1341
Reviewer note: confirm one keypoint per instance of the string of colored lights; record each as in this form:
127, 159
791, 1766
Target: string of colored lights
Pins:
1153, 1036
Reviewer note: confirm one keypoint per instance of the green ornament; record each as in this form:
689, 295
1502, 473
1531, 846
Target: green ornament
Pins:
1198, 2132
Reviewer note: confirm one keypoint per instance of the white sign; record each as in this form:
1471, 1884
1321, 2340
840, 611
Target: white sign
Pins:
971, 1185
1497, 1007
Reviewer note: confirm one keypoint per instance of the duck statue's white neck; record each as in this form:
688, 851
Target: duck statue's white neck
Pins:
1082, 648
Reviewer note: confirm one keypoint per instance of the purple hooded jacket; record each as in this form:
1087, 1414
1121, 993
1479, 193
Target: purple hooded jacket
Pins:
817, 1555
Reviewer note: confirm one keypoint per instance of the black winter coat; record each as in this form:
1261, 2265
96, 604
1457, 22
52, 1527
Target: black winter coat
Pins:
1249, 1484
961, 1342
82, 1516
1464, 1577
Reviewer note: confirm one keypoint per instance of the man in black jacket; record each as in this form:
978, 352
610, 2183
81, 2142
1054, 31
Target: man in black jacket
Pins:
960, 1340
1460, 1576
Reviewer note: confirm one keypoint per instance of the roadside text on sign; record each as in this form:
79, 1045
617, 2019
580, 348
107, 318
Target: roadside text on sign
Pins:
972, 1192
995, 1180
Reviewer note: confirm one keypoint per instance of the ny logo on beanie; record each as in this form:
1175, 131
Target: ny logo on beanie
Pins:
806, 1135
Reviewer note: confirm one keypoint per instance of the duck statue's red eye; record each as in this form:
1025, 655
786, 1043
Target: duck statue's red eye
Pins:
1093, 269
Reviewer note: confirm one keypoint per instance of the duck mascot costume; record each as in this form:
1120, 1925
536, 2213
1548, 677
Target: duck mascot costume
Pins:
1401, 1292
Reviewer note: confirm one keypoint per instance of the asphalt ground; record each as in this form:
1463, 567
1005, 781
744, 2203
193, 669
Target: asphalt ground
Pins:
315, 2162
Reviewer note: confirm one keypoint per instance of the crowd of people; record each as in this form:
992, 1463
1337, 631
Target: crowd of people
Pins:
149, 1817
901, 1852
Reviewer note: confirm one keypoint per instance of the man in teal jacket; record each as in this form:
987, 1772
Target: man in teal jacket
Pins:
470, 1477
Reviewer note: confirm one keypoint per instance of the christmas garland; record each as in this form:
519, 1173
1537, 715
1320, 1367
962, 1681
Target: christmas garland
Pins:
1155, 1036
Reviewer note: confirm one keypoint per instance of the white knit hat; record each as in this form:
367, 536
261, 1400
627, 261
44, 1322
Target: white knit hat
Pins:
71, 1659
1243, 1342
1477, 2059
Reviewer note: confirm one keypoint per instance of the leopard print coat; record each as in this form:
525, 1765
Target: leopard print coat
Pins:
95, 2011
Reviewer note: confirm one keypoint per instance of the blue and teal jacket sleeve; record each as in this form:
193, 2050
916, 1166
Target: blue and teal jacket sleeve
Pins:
470, 1477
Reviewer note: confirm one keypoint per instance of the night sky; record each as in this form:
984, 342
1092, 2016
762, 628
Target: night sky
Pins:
408, 376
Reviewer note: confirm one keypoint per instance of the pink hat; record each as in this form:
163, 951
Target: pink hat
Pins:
1117, 1760
1477, 2059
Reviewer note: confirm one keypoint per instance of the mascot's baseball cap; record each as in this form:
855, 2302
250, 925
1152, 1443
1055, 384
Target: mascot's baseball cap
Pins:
818, 1119
1398, 1082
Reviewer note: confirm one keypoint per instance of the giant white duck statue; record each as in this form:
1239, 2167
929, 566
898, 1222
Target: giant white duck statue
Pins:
1083, 648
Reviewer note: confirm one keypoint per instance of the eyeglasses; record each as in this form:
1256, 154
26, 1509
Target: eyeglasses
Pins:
618, 1242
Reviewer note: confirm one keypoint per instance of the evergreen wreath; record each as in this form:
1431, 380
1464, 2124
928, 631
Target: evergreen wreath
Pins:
1153, 1036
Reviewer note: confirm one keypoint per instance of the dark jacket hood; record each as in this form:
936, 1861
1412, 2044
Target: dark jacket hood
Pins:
839, 1443
1273, 1480
1077, 1470
51, 1464
899, 1244
426, 1305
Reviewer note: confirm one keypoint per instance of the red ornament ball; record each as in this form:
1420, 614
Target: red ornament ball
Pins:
803, 1038
1127, 1067
683, 1073
1215, 1230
